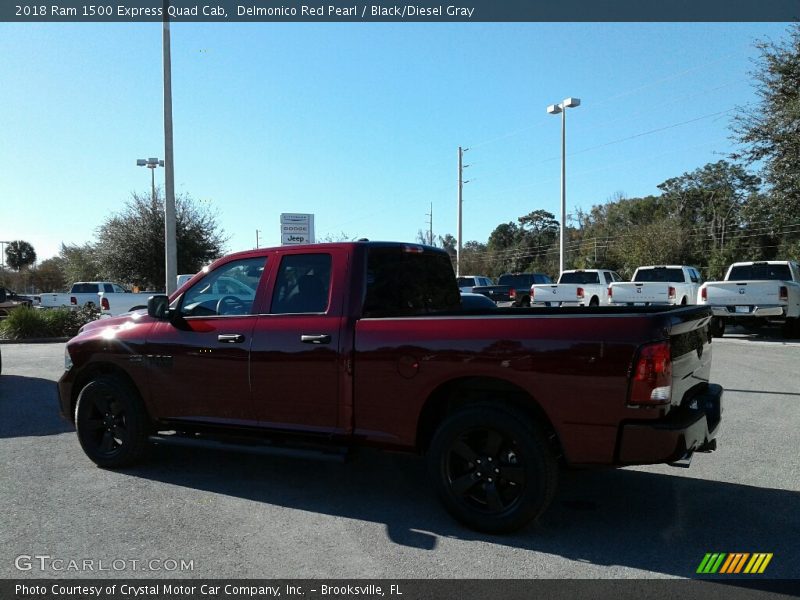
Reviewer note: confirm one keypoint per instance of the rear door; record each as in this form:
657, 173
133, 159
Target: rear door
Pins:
295, 367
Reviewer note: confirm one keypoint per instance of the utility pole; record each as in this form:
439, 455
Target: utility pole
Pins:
257, 232
430, 226
461, 182
170, 244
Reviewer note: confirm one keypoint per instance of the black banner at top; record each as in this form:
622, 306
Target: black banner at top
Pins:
248, 11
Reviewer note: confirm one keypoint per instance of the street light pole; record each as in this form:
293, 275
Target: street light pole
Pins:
152, 164
170, 244
555, 109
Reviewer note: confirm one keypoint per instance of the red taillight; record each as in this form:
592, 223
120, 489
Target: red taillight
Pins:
73, 300
652, 375
580, 292
704, 294
533, 291
671, 293
512, 293
104, 304
784, 293
610, 292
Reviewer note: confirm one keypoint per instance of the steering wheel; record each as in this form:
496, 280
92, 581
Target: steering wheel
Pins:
230, 305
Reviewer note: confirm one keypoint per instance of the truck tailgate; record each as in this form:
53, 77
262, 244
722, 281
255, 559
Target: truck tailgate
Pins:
634, 293
732, 293
556, 292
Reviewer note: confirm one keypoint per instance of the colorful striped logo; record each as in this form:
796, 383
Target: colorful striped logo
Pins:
734, 563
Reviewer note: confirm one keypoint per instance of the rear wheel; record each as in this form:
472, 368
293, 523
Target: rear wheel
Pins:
791, 328
112, 423
492, 468
595, 301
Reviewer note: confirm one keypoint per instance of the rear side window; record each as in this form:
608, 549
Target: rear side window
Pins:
660, 275
85, 288
608, 277
760, 272
402, 282
303, 284
580, 277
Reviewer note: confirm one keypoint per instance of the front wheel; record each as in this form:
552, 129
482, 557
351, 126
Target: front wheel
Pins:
112, 423
492, 468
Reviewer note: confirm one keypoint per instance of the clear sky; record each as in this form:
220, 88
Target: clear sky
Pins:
358, 123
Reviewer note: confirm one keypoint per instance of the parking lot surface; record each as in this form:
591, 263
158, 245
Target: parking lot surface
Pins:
243, 516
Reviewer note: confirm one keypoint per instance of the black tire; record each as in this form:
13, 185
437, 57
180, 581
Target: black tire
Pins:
112, 423
684, 301
520, 481
595, 301
526, 302
791, 328
716, 327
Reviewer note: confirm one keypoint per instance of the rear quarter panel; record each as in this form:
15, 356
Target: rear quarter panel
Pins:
575, 367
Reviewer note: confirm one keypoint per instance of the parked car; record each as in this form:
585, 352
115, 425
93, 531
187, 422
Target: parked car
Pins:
755, 294
366, 344
10, 300
470, 301
673, 284
576, 287
467, 282
512, 289
82, 293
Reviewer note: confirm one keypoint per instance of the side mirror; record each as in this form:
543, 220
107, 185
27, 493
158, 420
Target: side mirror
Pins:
157, 306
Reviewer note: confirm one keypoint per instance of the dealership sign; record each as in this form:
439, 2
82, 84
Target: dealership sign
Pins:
297, 228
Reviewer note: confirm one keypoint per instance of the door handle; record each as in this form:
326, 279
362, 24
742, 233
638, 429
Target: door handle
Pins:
230, 338
316, 339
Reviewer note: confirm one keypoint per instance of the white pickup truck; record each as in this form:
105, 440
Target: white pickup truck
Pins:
657, 285
82, 293
578, 287
754, 294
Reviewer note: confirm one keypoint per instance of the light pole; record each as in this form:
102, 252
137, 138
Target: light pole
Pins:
555, 109
151, 163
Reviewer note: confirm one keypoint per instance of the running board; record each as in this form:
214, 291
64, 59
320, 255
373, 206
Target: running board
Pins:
684, 462
334, 453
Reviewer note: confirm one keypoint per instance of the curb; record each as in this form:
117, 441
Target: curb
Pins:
37, 341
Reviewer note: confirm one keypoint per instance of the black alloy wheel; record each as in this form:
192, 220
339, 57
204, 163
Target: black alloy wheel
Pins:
111, 422
493, 468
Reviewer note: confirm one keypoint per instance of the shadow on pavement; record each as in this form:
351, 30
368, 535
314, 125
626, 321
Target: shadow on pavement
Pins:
29, 407
656, 522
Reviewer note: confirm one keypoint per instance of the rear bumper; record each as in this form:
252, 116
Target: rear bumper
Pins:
753, 311
690, 428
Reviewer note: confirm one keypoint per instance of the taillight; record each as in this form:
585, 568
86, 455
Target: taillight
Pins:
704, 294
610, 292
512, 293
533, 291
104, 304
580, 292
784, 293
671, 293
73, 300
652, 375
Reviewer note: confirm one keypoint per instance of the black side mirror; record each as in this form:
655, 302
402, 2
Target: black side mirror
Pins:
157, 306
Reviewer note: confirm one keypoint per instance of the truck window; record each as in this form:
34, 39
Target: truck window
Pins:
303, 284
467, 282
608, 277
583, 277
85, 288
407, 282
760, 272
227, 291
661, 275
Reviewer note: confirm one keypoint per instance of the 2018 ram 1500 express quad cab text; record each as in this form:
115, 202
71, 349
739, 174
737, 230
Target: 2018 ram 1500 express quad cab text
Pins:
365, 343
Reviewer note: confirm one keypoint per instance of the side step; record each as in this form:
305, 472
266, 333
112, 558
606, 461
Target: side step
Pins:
684, 462
332, 453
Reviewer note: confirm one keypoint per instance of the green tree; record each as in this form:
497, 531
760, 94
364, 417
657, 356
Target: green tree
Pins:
20, 254
770, 132
80, 263
49, 275
131, 246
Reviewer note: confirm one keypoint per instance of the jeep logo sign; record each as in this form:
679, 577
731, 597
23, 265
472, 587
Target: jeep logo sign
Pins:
297, 228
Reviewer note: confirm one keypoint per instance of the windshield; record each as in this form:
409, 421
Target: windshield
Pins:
760, 272
580, 277
660, 274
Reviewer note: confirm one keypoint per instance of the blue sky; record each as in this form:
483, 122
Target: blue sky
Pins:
358, 123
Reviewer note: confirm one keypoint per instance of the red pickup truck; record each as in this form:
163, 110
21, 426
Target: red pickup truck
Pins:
324, 348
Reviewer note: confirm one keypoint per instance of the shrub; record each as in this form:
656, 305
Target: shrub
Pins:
24, 323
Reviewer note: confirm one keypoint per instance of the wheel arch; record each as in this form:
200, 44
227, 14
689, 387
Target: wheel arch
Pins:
464, 391
94, 370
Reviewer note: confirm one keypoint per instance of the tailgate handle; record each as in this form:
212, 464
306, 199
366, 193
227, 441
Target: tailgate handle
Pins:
323, 338
230, 338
